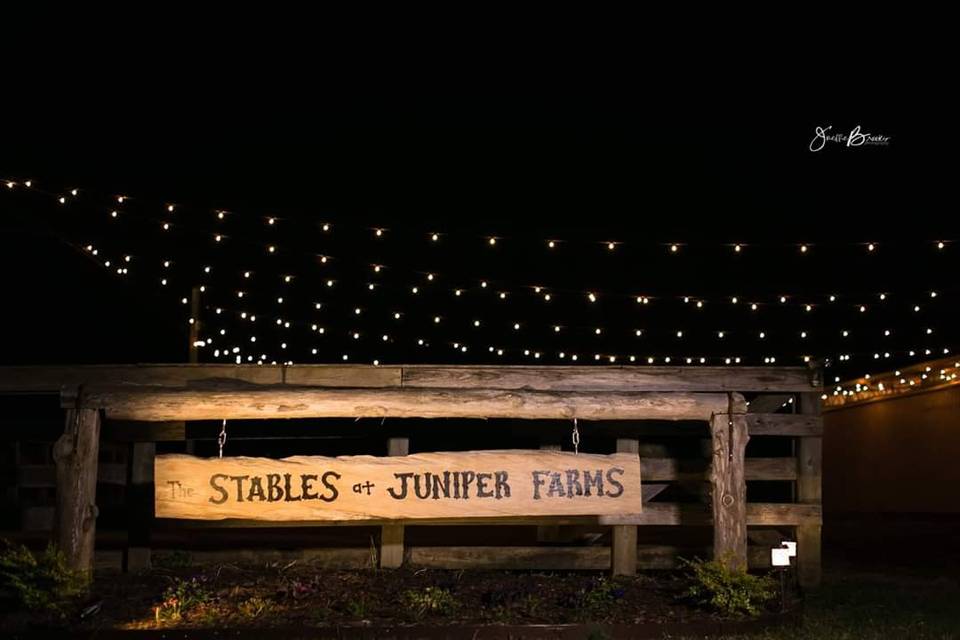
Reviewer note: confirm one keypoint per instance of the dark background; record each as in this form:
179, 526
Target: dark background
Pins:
703, 170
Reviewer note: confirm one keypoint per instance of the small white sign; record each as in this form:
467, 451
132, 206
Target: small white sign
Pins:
790, 546
780, 557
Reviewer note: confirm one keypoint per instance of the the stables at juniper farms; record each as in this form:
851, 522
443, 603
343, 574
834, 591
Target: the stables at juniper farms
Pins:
246, 400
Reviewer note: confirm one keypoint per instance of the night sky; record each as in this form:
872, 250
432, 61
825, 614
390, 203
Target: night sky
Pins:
522, 171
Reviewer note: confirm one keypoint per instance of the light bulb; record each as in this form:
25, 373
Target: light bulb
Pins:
435, 237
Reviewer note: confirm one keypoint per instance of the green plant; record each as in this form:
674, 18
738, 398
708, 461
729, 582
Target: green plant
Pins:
731, 592
596, 600
358, 608
431, 600
254, 606
40, 581
181, 597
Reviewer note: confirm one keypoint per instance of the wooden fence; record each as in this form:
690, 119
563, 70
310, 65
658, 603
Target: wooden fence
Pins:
143, 404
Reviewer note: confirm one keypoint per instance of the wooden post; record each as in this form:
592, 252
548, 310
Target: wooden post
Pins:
809, 474
140, 505
75, 455
391, 535
624, 550
729, 489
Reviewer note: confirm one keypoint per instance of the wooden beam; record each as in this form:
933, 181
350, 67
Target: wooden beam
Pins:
75, 454
729, 489
140, 505
654, 513
165, 404
694, 470
809, 474
50, 379
391, 535
768, 403
624, 546
647, 378
784, 424
32, 476
567, 558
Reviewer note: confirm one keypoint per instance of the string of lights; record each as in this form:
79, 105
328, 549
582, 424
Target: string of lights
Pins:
113, 206
287, 295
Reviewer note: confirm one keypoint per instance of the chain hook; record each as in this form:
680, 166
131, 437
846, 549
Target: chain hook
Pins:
575, 438
222, 438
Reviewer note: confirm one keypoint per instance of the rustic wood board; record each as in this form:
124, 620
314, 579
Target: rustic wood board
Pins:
498, 484
246, 403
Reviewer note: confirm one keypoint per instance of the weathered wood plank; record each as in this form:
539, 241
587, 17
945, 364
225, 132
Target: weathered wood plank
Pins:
50, 379
624, 537
75, 454
140, 505
768, 403
165, 404
647, 378
654, 513
784, 424
674, 469
567, 558
473, 484
33, 476
729, 489
391, 535
131, 431
810, 463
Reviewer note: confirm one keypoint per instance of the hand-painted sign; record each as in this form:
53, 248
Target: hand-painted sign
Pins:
427, 485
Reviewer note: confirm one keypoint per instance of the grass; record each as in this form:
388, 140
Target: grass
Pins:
868, 606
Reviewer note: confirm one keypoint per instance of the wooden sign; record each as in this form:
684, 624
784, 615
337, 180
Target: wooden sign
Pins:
474, 484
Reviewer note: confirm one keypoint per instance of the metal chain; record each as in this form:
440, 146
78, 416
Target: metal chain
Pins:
575, 438
222, 438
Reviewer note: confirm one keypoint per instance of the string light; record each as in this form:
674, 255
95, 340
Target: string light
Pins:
640, 299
